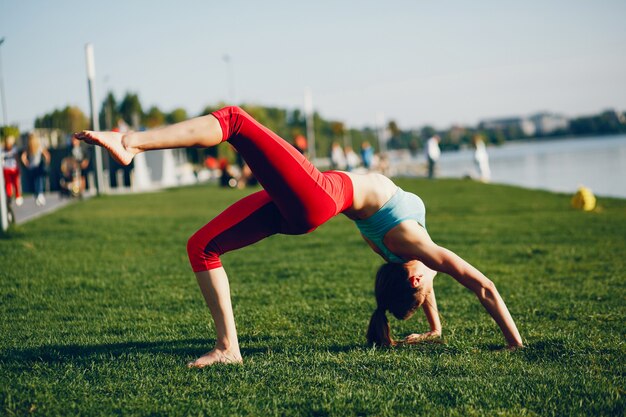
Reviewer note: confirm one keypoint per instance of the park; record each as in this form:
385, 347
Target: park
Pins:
101, 312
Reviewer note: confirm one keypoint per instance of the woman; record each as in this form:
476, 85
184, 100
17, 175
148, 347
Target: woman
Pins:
296, 199
35, 158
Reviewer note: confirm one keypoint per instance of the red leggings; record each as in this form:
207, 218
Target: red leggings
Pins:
297, 198
11, 178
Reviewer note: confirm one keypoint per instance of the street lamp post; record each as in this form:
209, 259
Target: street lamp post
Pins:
4, 219
95, 123
309, 118
5, 119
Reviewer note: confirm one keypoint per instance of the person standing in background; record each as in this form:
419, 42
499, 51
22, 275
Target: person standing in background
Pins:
481, 159
432, 152
36, 158
337, 157
352, 159
301, 144
367, 155
11, 171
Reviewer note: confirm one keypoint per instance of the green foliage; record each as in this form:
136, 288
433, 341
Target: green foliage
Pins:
154, 118
68, 120
607, 122
130, 110
109, 113
101, 312
176, 116
6, 131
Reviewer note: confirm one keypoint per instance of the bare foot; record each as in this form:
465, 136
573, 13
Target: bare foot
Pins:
215, 356
112, 142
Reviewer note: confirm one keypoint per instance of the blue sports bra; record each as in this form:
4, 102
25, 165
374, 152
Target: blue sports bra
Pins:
400, 207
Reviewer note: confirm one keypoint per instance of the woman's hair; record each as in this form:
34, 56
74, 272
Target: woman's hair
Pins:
393, 292
34, 144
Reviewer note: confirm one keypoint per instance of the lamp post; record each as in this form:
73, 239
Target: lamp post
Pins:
5, 119
4, 220
310, 120
95, 123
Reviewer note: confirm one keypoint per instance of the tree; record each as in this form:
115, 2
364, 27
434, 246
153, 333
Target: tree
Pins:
177, 115
428, 132
154, 118
130, 110
6, 131
68, 120
109, 113
395, 139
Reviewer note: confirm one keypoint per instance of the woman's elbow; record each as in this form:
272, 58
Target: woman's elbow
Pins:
487, 290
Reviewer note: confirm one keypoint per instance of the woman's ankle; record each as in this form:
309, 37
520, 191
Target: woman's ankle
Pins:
227, 346
131, 143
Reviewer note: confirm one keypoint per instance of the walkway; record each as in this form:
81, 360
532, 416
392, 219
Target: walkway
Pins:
29, 210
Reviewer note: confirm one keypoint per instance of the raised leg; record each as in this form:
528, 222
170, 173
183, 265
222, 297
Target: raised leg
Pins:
202, 131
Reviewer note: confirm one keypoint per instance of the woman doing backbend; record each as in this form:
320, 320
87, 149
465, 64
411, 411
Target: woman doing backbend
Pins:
296, 199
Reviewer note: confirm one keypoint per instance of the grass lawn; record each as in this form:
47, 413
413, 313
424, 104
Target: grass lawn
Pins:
100, 313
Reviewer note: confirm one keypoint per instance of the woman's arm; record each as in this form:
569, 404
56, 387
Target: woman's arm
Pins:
432, 315
25, 159
410, 240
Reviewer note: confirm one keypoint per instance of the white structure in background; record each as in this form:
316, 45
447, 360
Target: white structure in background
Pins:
141, 173
525, 125
165, 168
539, 124
168, 177
546, 123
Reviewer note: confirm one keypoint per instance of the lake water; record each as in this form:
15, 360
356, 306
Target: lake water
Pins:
555, 165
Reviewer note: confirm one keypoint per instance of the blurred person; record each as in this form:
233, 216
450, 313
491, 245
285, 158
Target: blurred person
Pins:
296, 199
301, 144
71, 181
227, 176
352, 159
367, 155
432, 153
82, 158
481, 158
11, 171
337, 157
36, 159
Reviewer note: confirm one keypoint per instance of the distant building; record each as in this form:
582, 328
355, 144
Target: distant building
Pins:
546, 123
526, 126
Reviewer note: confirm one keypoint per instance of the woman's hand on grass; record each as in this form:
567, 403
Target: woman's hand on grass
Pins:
416, 338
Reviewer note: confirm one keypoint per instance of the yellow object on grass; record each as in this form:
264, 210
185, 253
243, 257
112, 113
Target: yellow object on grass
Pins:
584, 199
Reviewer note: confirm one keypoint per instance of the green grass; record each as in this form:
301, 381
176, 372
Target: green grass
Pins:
100, 313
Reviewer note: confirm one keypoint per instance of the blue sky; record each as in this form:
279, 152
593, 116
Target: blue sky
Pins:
417, 62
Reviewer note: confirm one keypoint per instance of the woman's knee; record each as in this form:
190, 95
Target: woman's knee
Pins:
203, 255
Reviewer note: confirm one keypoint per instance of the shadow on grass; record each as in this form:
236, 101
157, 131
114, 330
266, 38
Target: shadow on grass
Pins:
193, 348
185, 348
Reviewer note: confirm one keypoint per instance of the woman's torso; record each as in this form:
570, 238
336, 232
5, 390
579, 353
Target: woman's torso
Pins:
371, 192
379, 207
10, 158
34, 159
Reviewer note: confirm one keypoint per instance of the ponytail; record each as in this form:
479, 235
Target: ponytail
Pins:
378, 332
393, 292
